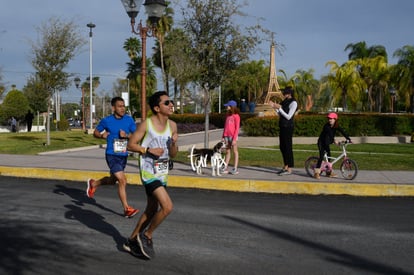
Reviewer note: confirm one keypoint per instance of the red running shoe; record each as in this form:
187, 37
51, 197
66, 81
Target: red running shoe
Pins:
130, 212
90, 190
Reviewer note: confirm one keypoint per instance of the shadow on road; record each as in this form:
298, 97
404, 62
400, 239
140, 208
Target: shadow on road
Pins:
333, 254
89, 218
24, 244
79, 197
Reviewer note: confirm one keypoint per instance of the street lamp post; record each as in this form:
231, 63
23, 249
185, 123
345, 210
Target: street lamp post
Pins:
90, 26
77, 83
154, 9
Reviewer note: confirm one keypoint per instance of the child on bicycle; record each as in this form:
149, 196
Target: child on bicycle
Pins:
326, 138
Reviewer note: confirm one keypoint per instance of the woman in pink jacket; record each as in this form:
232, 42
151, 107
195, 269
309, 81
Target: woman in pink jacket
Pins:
231, 135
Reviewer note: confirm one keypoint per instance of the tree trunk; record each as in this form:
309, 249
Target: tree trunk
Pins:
379, 101
309, 103
164, 77
344, 105
182, 91
206, 116
48, 123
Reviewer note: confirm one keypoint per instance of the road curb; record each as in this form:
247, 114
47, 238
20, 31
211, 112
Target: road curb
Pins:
234, 185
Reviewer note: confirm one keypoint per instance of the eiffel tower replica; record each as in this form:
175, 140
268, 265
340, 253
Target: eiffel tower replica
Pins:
273, 90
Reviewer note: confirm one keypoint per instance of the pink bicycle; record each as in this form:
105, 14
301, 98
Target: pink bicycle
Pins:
348, 167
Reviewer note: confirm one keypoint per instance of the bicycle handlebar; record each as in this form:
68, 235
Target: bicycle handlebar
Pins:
343, 142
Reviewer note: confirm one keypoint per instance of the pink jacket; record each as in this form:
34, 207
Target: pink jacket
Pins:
232, 126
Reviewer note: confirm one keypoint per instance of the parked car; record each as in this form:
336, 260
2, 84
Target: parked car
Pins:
74, 122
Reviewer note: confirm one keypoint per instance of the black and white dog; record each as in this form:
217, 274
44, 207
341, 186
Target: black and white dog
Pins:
201, 157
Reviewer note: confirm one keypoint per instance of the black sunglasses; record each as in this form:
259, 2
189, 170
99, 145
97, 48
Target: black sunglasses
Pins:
167, 102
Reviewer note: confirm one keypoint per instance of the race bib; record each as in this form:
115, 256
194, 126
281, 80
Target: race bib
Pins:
161, 167
120, 145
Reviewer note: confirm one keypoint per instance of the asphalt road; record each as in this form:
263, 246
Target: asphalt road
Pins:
51, 227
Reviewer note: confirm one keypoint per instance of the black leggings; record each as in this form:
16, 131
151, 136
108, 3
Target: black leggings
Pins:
322, 149
285, 145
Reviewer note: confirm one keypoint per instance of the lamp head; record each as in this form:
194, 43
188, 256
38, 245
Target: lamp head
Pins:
91, 25
132, 7
77, 82
154, 10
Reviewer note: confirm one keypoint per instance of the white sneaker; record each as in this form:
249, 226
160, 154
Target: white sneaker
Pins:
285, 172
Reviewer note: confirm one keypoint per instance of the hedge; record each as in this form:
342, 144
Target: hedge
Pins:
310, 124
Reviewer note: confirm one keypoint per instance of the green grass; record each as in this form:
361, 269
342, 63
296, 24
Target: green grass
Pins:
35, 142
368, 156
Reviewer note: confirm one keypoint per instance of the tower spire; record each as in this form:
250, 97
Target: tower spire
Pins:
273, 90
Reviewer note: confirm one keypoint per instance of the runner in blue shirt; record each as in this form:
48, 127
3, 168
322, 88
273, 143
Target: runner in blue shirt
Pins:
116, 129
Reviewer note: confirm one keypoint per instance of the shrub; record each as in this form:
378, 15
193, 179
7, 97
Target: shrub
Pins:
306, 124
310, 125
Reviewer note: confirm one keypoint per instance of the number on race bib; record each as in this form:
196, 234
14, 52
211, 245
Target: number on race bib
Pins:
120, 145
161, 167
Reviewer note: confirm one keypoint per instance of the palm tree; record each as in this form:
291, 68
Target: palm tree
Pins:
285, 81
376, 75
324, 97
164, 26
345, 82
360, 50
134, 73
133, 47
405, 75
249, 79
375, 57
306, 87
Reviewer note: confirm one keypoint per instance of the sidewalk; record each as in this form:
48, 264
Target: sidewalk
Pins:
88, 162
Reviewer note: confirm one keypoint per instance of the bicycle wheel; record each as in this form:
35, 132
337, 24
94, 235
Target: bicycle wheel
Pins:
349, 169
310, 165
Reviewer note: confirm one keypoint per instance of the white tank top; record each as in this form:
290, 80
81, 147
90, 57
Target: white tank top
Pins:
155, 169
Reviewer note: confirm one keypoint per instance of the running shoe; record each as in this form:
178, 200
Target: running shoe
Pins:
285, 172
130, 212
132, 246
224, 170
90, 190
281, 171
146, 246
234, 171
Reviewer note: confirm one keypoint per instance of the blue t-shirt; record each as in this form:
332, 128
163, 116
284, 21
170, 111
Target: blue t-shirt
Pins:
113, 125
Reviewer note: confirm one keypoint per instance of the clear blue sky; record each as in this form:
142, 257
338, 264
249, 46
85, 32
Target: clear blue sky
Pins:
312, 31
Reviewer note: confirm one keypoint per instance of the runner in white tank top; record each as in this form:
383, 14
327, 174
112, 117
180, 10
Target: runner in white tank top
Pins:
155, 139
152, 168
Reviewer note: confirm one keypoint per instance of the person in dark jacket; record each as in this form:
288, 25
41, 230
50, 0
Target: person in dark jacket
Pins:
286, 111
326, 138
29, 120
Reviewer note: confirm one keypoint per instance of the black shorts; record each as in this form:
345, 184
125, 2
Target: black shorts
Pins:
150, 187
